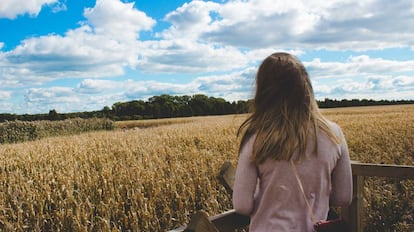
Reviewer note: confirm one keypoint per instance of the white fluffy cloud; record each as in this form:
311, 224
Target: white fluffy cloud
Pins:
189, 20
363, 77
379, 88
65, 99
264, 23
232, 86
117, 20
337, 24
103, 46
12, 8
93, 86
358, 66
4, 95
51, 95
175, 56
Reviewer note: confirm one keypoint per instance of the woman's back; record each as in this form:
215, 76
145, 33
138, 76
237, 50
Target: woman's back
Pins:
278, 203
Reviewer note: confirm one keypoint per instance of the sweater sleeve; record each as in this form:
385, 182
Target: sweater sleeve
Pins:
245, 181
341, 193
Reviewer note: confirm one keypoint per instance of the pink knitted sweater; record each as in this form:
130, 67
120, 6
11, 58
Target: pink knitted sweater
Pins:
270, 193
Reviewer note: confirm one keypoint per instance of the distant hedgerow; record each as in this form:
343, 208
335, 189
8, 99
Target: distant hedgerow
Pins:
20, 131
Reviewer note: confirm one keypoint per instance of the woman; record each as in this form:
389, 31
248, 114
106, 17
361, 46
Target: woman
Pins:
286, 126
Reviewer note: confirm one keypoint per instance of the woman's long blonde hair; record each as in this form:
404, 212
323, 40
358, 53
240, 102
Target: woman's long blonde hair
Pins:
285, 112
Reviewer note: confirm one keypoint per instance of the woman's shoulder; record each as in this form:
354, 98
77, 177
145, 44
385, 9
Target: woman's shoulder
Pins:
334, 127
336, 130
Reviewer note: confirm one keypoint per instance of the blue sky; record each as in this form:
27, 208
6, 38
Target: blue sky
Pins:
76, 56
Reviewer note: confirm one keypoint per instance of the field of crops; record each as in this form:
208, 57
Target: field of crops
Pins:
155, 178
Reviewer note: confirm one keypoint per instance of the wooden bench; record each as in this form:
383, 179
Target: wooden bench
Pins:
231, 221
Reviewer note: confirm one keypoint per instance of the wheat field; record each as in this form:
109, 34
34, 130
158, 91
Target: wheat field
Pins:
154, 179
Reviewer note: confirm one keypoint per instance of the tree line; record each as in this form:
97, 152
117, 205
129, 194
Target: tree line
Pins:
167, 106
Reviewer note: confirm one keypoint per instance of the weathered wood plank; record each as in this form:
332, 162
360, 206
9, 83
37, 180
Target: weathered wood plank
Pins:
226, 176
352, 214
200, 223
230, 221
382, 170
227, 221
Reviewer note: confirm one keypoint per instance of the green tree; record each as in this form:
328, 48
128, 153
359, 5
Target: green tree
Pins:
53, 115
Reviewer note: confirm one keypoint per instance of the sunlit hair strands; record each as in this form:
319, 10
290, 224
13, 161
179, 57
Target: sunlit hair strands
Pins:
285, 112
